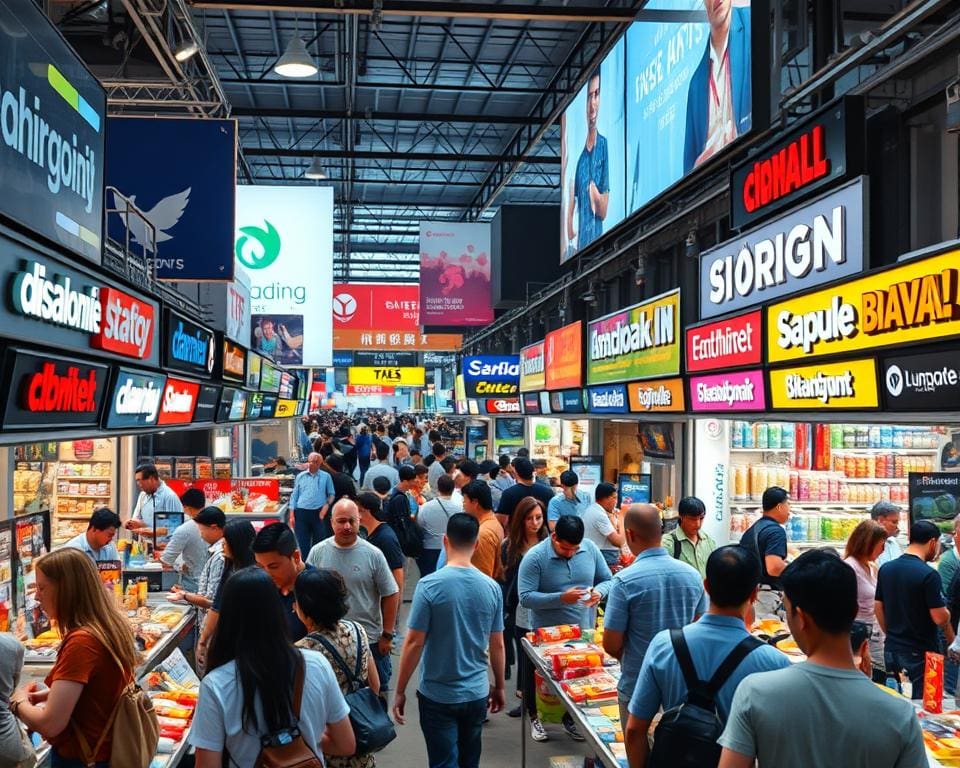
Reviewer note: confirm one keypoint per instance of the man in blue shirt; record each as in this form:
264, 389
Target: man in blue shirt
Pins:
561, 579
569, 502
655, 593
590, 196
97, 540
733, 578
457, 613
313, 493
155, 496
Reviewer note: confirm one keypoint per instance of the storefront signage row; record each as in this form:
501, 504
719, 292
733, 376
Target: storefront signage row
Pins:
814, 244
491, 375
532, 376
731, 343
640, 342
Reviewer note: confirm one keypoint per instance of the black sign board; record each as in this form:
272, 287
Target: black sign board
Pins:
439, 359
135, 401
934, 496
53, 391
269, 406
226, 403
822, 151
928, 381
187, 347
567, 401
531, 403
207, 401
385, 359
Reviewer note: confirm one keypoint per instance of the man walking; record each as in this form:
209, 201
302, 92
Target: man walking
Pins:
436, 470
373, 594
733, 577
382, 468
570, 502
432, 519
477, 504
457, 614
601, 523
275, 550
687, 542
910, 606
767, 539
654, 594
313, 493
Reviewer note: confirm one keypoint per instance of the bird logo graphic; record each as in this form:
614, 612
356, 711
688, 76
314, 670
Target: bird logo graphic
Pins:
163, 216
258, 248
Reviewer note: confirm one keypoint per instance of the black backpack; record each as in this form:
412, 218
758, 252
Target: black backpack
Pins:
409, 534
687, 734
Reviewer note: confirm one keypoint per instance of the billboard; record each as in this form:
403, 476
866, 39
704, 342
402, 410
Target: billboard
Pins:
367, 306
563, 357
52, 147
180, 176
285, 244
455, 274
532, 374
485, 375
730, 343
592, 174
682, 108
392, 377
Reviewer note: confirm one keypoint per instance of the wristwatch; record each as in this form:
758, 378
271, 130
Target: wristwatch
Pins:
386, 635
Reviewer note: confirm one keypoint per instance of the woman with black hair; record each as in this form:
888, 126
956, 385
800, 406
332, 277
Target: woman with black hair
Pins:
321, 605
255, 672
238, 536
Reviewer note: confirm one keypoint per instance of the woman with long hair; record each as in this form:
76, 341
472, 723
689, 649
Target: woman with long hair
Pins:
321, 605
864, 546
249, 692
528, 528
95, 662
238, 536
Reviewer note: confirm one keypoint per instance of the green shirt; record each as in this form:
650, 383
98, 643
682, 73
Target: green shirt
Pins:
692, 554
948, 566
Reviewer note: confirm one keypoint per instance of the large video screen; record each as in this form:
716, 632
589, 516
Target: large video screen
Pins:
592, 170
689, 92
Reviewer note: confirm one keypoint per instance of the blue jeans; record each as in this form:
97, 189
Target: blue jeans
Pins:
427, 562
911, 663
453, 732
308, 528
70, 762
384, 667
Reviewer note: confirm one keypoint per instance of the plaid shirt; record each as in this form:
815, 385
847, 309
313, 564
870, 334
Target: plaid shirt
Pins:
210, 577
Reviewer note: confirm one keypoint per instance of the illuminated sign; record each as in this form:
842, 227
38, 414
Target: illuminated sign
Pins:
285, 408
743, 391
563, 357
393, 377
178, 403
487, 375
611, 399
387, 339
136, 400
503, 405
663, 396
531, 403
206, 408
370, 389
235, 361
127, 325
844, 385
53, 391
731, 343
188, 347
914, 301
928, 381
532, 376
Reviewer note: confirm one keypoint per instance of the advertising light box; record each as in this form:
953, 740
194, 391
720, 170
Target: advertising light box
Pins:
730, 343
847, 385
368, 306
563, 357
532, 376
394, 377
661, 396
742, 391
135, 401
487, 375
455, 274
50, 391
928, 381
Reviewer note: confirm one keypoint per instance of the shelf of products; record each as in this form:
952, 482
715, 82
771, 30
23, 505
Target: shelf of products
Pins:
83, 481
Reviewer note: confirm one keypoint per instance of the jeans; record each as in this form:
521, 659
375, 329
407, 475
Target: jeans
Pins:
453, 732
951, 670
56, 761
308, 528
910, 662
364, 468
384, 667
427, 562
526, 681
611, 556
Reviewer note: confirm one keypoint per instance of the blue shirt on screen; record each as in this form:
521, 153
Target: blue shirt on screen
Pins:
592, 166
655, 593
311, 491
457, 608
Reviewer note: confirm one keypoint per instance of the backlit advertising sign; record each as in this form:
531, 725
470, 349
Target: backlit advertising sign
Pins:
531, 403
178, 403
743, 391
532, 375
503, 405
188, 347
455, 274
269, 377
357, 390
661, 396
234, 361
563, 357
817, 243
393, 377
851, 384
609, 399
487, 375
731, 343
45, 390
929, 381
208, 398
135, 401
254, 363
368, 306
385, 359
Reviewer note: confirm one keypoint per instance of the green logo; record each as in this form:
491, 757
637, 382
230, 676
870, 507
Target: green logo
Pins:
258, 248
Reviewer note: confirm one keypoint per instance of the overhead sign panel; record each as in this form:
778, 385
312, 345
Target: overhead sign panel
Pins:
392, 339
814, 244
178, 403
385, 359
188, 347
135, 401
563, 357
487, 375
847, 385
662, 396
284, 241
730, 343
929, 381
609, 399
743, 391
392, 377
368, 306
532, 375
455, 274
45, 390
52, 137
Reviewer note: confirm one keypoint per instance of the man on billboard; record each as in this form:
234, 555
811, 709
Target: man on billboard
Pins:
719, 98
590, 192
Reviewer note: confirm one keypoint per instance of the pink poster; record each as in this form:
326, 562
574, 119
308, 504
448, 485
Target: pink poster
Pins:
742, 391
455, 274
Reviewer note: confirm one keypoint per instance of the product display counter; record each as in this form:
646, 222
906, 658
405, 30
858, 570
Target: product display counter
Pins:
260, 519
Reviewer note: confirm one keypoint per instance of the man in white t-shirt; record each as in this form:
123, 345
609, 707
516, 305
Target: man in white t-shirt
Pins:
601, 523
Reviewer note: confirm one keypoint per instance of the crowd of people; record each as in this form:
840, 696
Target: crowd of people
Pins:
292, 619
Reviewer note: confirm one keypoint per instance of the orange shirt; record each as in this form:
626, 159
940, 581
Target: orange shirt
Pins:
82, 658
486, 558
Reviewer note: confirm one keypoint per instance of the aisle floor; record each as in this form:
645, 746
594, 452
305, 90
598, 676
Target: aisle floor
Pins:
501, 735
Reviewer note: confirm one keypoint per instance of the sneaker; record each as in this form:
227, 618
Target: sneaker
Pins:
537, 731
515, 712
571, 728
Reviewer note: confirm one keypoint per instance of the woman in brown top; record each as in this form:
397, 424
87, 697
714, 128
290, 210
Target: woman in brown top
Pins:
321, 605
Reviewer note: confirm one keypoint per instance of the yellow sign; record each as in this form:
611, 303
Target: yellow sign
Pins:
393, 377
846, 385
285, 408
915, 301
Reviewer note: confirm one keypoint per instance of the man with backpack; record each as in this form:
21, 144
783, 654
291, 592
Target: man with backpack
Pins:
401, 512
687, 542
733, 577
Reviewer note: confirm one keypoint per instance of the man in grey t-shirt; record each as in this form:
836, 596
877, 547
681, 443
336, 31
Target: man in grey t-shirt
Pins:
823, 711
374, 597
432, 519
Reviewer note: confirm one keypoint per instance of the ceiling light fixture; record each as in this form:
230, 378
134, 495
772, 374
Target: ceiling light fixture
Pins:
315, 171
186, 51
296, 60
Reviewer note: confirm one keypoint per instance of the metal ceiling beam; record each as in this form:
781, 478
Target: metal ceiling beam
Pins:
382, 86
334, 114
361, 154
364, 246
428, 8
408, 182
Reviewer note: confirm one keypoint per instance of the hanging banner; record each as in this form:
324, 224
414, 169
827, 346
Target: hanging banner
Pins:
662, 396
742, 391
284, 241
181, 193
640, 342
455, 274
486, 375
730, 343
385, 359
394, 339
52, 147
532, 375
393, 377
917, 300
563, 357
367, 306
847, 385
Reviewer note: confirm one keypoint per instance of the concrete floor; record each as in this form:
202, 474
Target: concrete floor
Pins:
501, 736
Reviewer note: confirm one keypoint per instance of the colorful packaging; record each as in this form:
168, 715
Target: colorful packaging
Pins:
558, 634
575, 660
933, 683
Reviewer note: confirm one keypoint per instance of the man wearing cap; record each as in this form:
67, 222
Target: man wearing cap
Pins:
570, 502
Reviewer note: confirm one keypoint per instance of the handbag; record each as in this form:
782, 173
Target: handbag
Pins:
372, 726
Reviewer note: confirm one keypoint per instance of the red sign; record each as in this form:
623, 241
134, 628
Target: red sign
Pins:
504, 405
563, 357
126, 325
178, 403
731, 343
50, 392
370, 389
368, 306
240, 494
795, 166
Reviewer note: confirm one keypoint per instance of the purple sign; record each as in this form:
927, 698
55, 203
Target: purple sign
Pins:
742, 391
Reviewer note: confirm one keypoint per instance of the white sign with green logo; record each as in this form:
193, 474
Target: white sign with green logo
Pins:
284, 242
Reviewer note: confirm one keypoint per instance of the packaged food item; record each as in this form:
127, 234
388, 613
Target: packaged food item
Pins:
933, 683
575, 660
596, 687
558, 634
